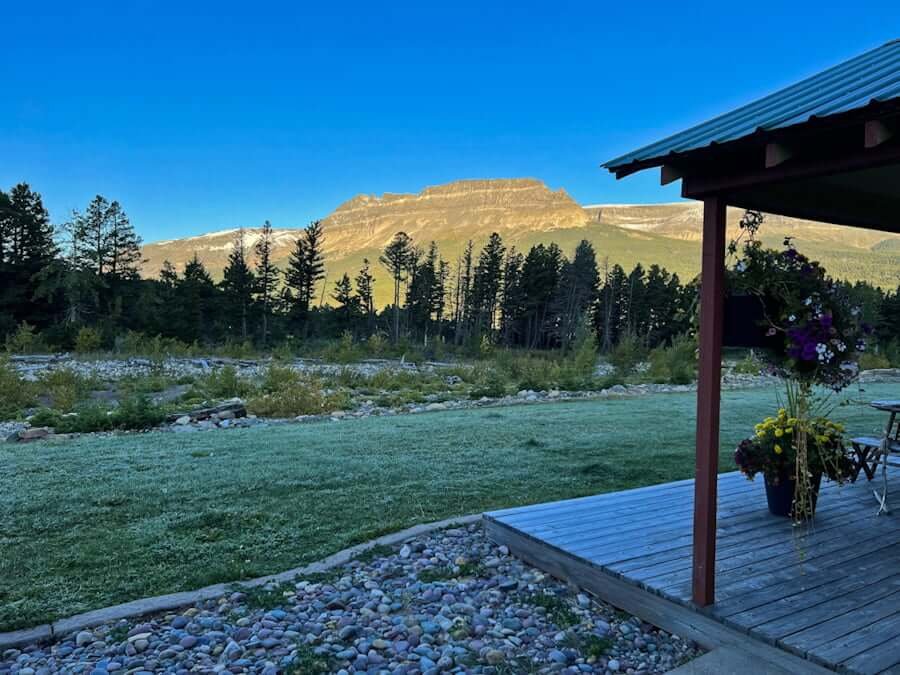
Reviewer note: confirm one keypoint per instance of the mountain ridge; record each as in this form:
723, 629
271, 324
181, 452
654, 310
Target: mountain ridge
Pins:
525, 211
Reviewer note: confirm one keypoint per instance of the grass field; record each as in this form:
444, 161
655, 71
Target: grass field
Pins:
99, 520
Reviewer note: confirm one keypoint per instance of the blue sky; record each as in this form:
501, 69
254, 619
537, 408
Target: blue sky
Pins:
200, 116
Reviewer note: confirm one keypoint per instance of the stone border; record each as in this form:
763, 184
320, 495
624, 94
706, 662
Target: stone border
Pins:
161, 603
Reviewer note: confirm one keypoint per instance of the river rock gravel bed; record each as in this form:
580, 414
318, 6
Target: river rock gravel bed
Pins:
447, 602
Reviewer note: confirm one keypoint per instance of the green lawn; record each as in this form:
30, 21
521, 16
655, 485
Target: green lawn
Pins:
96, 521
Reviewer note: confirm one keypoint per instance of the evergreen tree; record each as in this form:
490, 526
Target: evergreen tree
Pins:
486, 284
348, 302
90, 237
123, 245
266, 277
512, 300
463, 293
540, 280
365, 293
27, 246
306, 268
196, 307
424, 294
395, 260
577, 291
238, 284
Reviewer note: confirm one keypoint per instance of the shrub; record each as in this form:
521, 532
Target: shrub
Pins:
223, 383
156, 347
15, 393
749, 365
342, 351
625, 356
871, 361
64, 387
133, 413
377, 344
24, 341
88, 340
676, 364
488, 382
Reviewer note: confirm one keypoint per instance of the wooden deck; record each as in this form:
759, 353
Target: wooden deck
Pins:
831, 596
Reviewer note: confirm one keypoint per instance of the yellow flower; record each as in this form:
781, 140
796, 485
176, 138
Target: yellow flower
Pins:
789, 430
779, 433
778, 449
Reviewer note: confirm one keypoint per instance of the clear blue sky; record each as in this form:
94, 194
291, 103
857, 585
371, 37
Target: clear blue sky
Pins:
226, 114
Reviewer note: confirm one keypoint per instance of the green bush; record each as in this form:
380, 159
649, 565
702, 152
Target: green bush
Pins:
676, 364
488, 382
871, 360
625, 356
343, 350
892, 351
156, 347
24, 341
64, 387
749, 365
132, 413
15, 393
88, 340
223, 383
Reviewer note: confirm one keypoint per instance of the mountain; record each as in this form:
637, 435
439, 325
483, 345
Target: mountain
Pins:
526, 212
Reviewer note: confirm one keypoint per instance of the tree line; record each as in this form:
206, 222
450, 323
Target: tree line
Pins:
86, 272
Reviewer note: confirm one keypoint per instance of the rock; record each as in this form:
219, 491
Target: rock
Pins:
34, 434
494, 657
432, 407
183, 420
377, 616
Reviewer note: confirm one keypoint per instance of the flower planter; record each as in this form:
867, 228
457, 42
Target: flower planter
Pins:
781, 496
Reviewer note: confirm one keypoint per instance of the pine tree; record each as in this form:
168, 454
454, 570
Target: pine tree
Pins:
91, 235
123, 245
395, 259
365, 293
463, 293
512, 301
424, 292
196, 306
577, 292
486, 284
306, 268
238, 283
27, 246
348, 302
266, 277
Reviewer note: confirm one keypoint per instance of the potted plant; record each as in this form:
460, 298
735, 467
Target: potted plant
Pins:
773, 451
816, 336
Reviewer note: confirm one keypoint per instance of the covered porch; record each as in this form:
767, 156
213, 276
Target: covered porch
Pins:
702, 557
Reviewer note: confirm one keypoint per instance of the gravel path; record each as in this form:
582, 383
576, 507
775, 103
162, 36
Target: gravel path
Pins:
450, 601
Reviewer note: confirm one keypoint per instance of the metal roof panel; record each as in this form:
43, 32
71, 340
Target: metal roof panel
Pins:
872, 76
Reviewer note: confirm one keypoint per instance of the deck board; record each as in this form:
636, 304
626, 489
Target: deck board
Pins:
830, 594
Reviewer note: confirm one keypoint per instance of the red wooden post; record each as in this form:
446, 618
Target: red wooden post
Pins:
708, 398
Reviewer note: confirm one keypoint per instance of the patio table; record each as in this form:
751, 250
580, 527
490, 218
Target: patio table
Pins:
890, 442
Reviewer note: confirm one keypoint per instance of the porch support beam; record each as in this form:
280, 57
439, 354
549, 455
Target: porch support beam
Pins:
712, 283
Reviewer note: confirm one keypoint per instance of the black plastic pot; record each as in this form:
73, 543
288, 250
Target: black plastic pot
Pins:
781, 495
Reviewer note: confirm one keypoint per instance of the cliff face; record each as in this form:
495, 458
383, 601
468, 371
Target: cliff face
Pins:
460, 210
526, 212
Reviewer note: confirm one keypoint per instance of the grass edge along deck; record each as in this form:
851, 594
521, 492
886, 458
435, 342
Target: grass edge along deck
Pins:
542, 535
